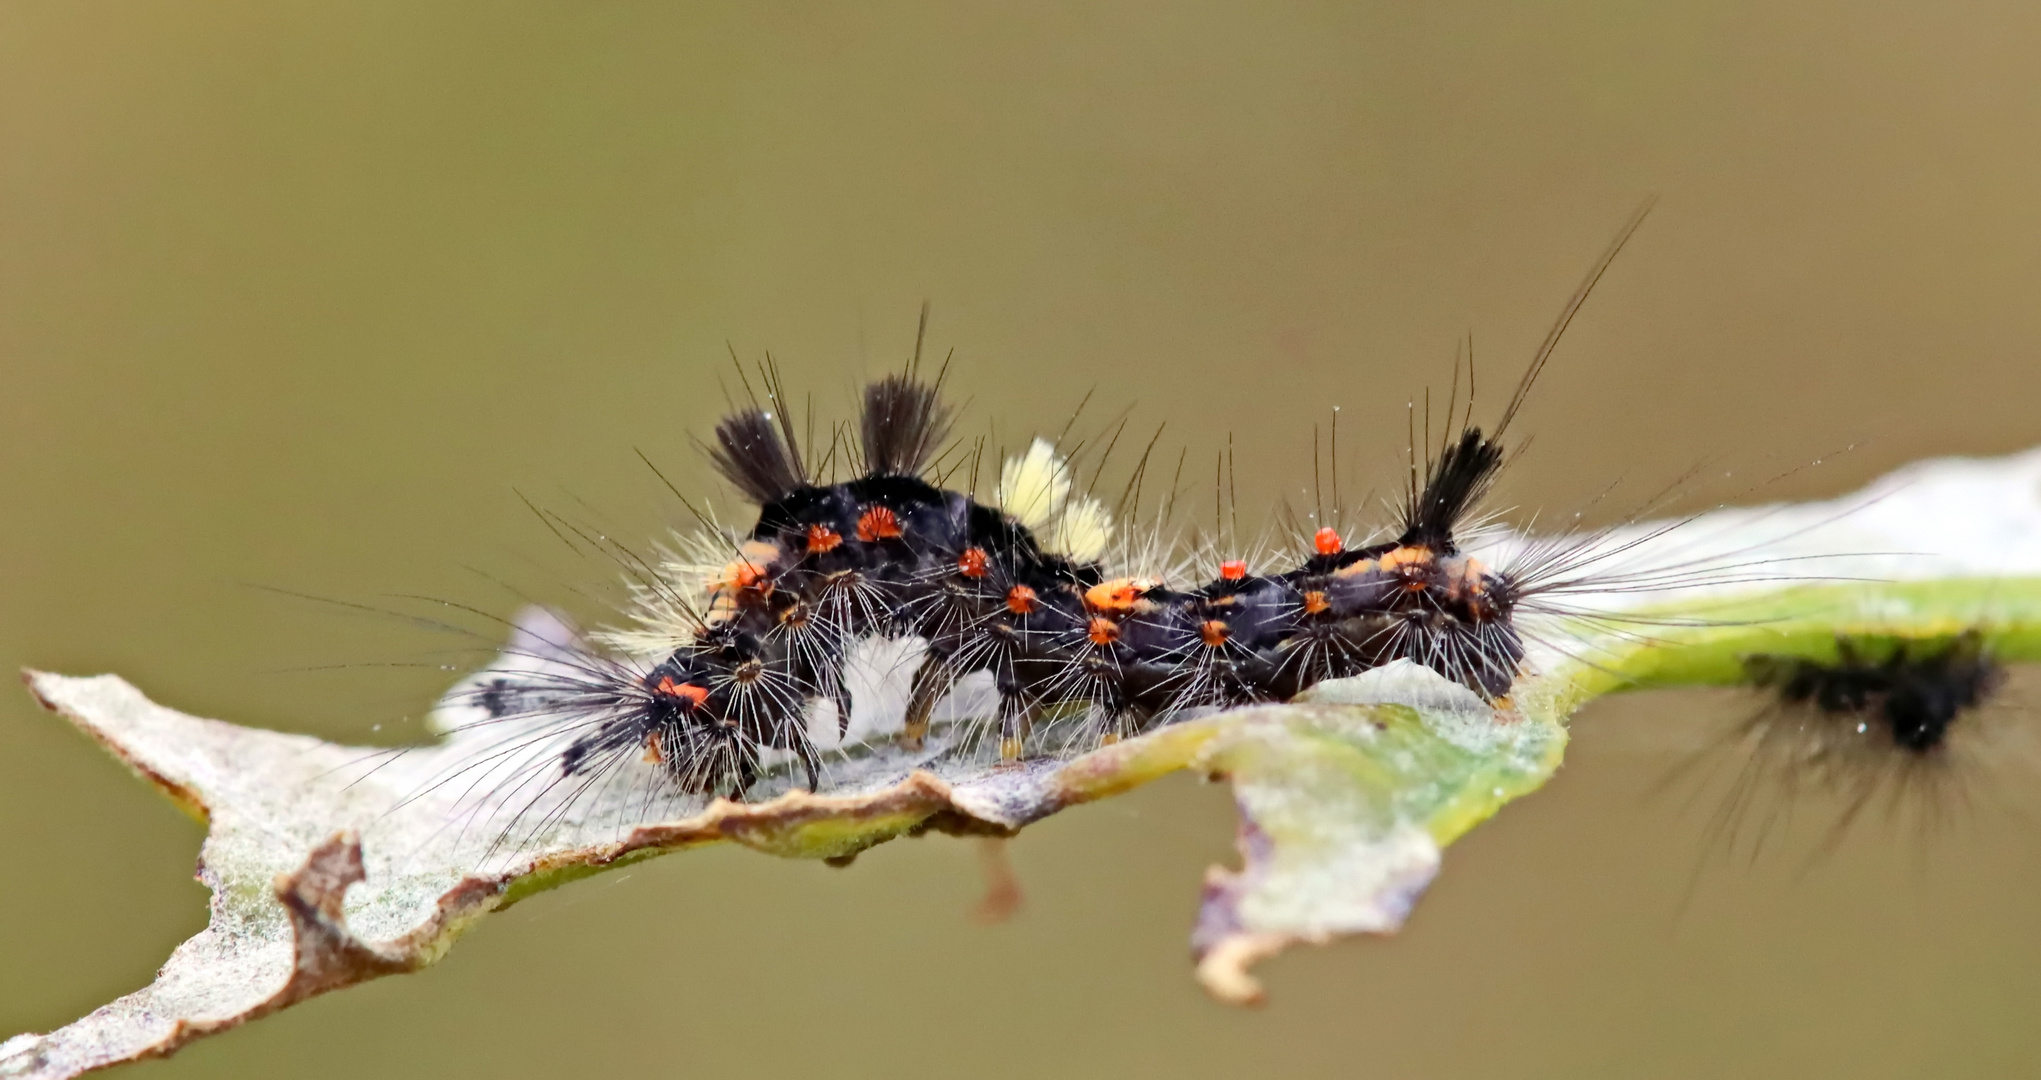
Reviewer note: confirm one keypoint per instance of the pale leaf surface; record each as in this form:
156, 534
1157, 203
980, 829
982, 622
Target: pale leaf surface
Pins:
330, 865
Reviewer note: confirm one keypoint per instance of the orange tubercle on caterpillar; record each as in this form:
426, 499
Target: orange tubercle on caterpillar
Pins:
1233, 569
1326, 541
1395, 559
1315, 603
749, 573
1022, 600
878, 523
822, 538
1102, 631
689, 691
974, 563
1213, 632
1413, 563
1119, 595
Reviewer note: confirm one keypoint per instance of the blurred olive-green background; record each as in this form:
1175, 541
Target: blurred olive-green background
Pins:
302, 295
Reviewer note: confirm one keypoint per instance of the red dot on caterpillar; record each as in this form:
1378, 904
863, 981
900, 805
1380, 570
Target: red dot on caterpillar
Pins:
1102, 631
1021, 600
878, 523
1233, 569
973, 563
822, 538
1327, 541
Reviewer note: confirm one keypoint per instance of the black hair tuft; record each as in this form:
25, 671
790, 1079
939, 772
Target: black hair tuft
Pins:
751, 454
1454, 483
903, 423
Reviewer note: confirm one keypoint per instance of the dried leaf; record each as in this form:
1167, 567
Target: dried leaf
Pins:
325, 874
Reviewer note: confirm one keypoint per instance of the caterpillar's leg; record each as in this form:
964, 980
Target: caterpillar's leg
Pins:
1106, 706
839, 695
819, 671
811, 761
1119, 723
747, 774
1016, 720
932, 680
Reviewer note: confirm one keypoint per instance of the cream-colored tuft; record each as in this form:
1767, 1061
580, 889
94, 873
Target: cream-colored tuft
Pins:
668, 600
1034, 486
1034, 489
1083, 530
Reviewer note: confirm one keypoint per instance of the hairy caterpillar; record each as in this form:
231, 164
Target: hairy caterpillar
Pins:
1885, 718
742, 653
1907, 693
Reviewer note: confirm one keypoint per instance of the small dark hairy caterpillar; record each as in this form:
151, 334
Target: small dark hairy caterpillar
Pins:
1904, 694
1889, 719
736, 649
